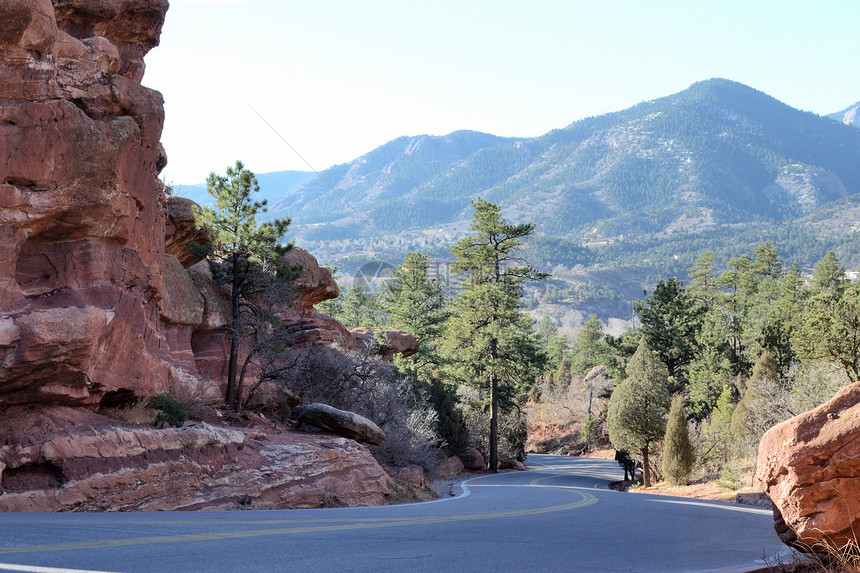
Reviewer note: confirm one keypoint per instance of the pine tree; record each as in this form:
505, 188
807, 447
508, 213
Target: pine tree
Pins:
588, 430
758, 411
671, 322
589, 349
413, 302
638, 407
677, 449
241, 248
489, 340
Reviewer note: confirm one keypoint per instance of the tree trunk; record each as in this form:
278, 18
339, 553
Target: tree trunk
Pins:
230, 398
646, 469
494, 424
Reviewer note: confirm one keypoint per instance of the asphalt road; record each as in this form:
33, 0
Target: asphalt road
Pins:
557, 517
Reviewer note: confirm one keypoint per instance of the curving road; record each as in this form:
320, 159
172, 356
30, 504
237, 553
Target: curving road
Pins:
557, 517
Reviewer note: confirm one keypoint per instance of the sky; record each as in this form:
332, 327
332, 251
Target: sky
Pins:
307, 84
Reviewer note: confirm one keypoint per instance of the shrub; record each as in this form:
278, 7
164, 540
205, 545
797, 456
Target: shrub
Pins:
588, 431
731, 476
170, 410
677, 449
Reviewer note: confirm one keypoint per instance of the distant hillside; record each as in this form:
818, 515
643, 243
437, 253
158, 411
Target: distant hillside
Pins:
273, 186
849, 116
717, 153
620, 201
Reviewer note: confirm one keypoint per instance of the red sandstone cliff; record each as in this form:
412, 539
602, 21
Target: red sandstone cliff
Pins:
97, 305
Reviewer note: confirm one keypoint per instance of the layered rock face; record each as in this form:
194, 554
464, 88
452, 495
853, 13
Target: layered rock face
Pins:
81, 213
65, 459
810, 468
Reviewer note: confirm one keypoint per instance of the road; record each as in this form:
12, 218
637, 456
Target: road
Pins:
559, 516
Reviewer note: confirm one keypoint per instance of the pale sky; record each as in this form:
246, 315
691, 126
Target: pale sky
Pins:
337, 78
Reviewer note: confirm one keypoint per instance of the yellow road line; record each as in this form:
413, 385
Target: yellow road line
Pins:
585, 500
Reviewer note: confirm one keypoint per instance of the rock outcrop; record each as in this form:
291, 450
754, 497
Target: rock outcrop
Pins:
102, 304
180, 230
340, 422
81, 211
810, 468
394, 342
67, 459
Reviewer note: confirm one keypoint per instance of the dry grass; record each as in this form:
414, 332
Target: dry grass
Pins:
136, 413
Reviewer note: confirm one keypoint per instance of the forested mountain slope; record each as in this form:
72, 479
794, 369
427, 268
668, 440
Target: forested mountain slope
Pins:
717, 153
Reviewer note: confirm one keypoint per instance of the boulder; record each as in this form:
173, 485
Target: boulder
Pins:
413, 475
450, 466
396, 342
472, 459
511, 465
809, 466
340, 422
65, 459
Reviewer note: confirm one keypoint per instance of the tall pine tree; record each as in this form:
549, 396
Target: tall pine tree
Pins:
240, 248
491, 342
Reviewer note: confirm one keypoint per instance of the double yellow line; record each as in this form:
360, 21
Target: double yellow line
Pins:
585, 499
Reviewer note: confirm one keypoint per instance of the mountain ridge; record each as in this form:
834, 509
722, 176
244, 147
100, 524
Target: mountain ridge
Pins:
718, 152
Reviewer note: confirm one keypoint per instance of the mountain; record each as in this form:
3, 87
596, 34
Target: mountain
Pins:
849, 116
620, 200
273, 187
717, 153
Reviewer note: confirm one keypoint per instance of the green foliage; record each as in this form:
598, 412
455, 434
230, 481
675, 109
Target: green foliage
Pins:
671, 321
240, 249
358, 307
731, 476
170, 410
718, 441
637, 410
452, 425
489, 341
758, 411
588, 430
831, 329
677, 449
590, 349
413, 302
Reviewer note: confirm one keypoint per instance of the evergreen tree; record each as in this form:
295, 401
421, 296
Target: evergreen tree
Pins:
828, 277
491, 342
413, 302
677, 449
638, 407
671, 322
589, 350
240, 248
717, 430
831, 329
757, 412
588, 430
358, 307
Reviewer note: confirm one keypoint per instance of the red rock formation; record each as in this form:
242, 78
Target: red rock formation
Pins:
61, 459
181, 229
451, 466
315, 284
396, 342
472, 459
81, 214
95, 309
810, 468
